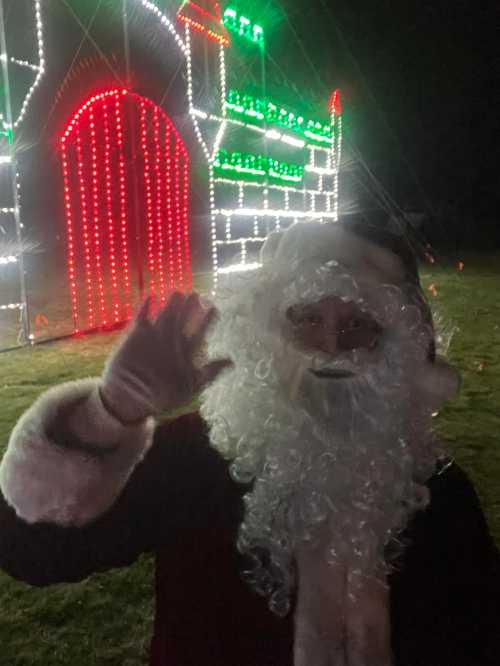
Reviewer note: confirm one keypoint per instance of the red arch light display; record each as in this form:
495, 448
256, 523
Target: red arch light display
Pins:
126, 193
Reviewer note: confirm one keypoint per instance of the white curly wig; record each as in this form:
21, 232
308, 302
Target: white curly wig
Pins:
344, 458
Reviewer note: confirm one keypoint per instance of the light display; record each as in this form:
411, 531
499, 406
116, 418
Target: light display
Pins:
164, 20
243, 27
39, 68
257, 109
123, 206
274, 213
288, 191
271, 192
8, 259
11, 117
189, 72
150, 215
268, 133
205, 17
108, 213
160, 185
127, 228
102, 232
336, 102
6, 131
257, 166
12, 306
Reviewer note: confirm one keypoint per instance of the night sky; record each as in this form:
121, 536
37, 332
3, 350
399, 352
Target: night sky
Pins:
420, 83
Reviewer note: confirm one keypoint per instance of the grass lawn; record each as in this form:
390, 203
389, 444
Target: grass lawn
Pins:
107, 619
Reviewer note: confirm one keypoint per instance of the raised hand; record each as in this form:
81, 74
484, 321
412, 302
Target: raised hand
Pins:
157, 365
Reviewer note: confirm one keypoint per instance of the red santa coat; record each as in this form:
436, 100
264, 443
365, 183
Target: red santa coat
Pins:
181, 504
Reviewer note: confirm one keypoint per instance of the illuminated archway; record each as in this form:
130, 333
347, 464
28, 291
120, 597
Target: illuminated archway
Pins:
126, 192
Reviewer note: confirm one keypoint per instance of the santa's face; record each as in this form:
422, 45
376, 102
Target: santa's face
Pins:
323, 410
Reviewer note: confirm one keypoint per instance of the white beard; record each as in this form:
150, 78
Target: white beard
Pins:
337, 464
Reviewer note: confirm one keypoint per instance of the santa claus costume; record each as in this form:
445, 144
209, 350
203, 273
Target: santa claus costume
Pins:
307, 515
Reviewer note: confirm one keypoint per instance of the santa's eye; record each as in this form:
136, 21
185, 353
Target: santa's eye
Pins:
311, 319
359, 333
301, 317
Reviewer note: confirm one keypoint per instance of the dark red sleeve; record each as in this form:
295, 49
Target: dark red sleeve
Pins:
180, 474
445, 593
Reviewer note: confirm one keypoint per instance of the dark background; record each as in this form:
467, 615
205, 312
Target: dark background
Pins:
420, 88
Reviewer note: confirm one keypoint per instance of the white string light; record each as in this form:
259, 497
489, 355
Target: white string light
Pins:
236, 268
41, 64
10, 259
150, 6
322, 171
189, 73
271, 212
266, 199
270, 134
339, 142
198, 113
218, 139
8, 160
309, 191
25, 63
236, 241
286, 189
334, 158
222, 72
213, 224
12, 306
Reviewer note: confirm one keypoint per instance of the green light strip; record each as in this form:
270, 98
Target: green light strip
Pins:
242, 26
259, 109
6, 130
247, 164
8, 134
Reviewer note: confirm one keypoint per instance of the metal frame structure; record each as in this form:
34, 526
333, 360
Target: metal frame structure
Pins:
11, 226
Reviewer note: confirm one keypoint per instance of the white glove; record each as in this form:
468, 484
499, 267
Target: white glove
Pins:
154, 368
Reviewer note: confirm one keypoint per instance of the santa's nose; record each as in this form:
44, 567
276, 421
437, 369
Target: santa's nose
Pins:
328, 333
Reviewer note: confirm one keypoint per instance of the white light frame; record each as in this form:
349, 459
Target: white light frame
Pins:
8, 160
310, 192
39, 68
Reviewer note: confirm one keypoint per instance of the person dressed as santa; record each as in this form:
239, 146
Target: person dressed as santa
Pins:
306, 514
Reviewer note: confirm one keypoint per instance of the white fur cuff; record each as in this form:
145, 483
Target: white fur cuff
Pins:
45, 480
